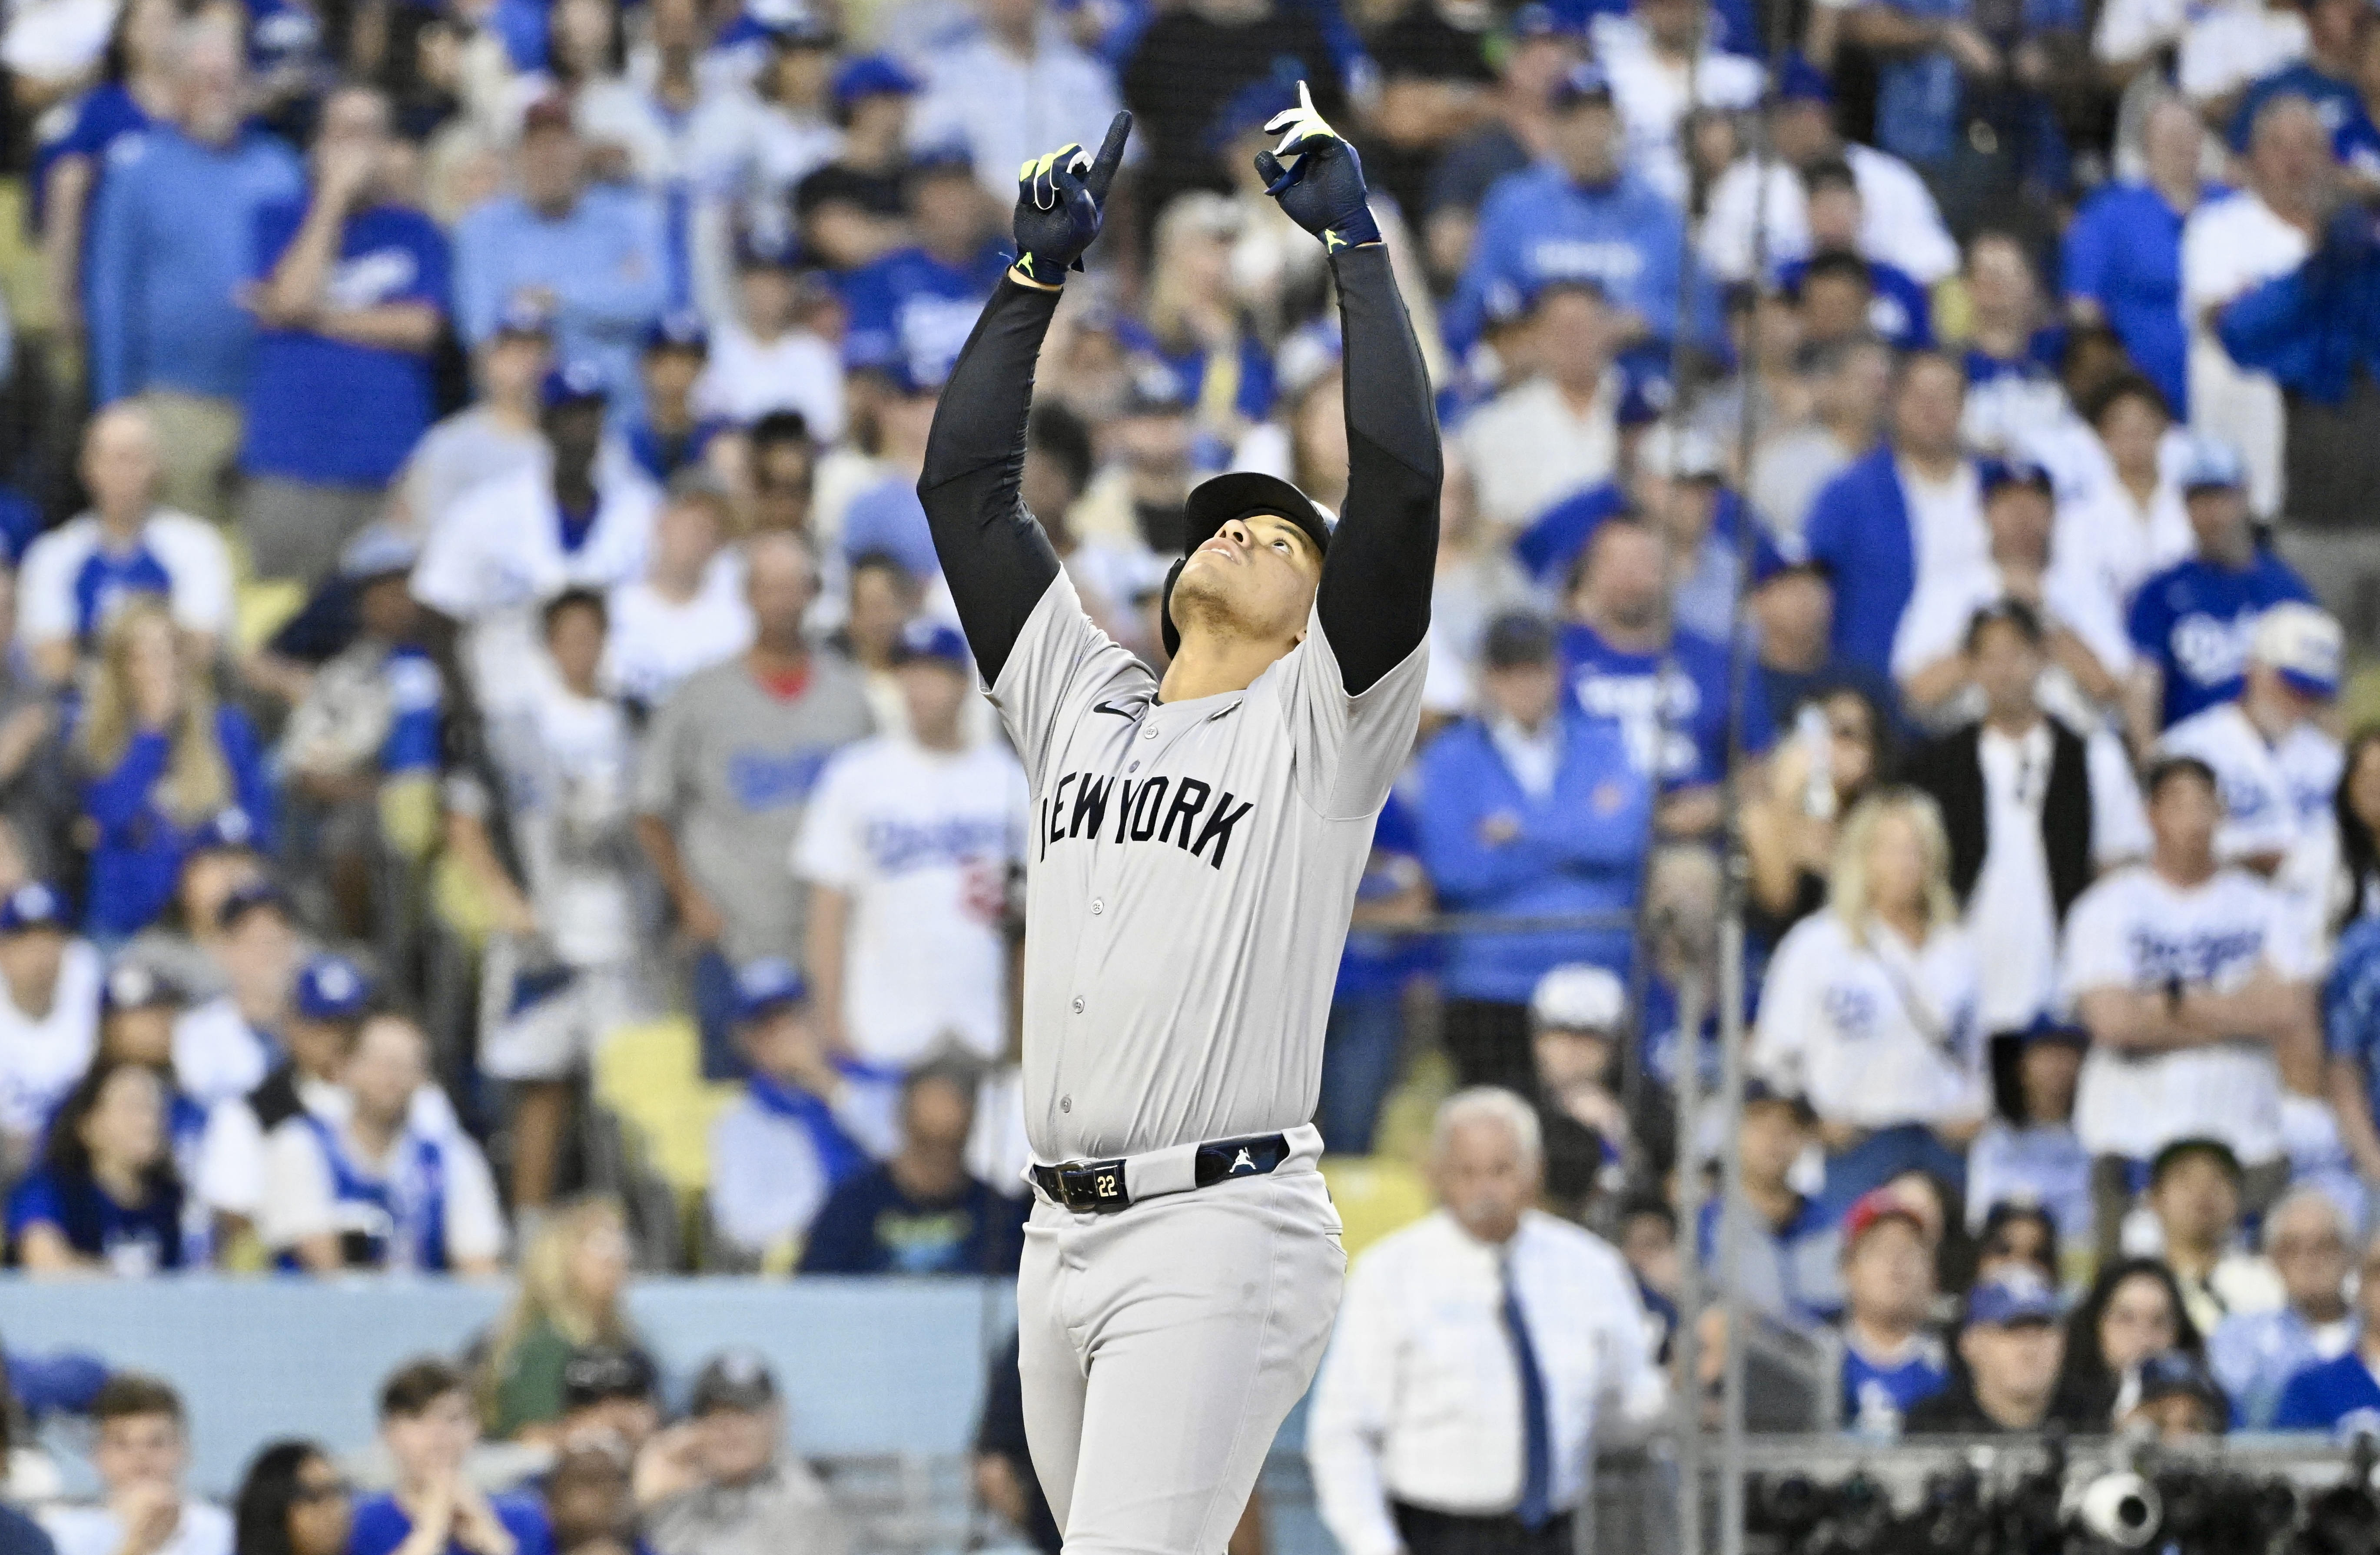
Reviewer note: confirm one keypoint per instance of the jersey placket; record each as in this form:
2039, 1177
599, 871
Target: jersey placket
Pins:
1140, 758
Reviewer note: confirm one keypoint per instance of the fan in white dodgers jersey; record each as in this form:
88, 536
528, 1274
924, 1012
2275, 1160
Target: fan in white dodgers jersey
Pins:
2195, 981
1196, 849
2277, 766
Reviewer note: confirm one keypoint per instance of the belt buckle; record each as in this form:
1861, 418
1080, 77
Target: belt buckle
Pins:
1094, 1187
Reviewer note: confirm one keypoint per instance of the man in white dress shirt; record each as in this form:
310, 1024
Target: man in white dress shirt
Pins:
1479, 1354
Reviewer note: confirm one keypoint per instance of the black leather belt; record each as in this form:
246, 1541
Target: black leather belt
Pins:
1102, 1187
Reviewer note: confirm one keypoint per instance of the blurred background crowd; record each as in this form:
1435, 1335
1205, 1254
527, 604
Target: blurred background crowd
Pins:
490, 783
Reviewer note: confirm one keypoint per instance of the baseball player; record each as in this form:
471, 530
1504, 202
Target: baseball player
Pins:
1195, 850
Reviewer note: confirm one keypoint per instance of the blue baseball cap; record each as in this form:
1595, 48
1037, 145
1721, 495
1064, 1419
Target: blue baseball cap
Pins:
2015, 469
765, 986
579, 383
2213, 465
2010, 1297
940, 157
872, 75
136, 985
924, 639
678, 330
30, 906
1586, 83
1538, 20
229, 829
331, 988
2178, 1372
1801, 81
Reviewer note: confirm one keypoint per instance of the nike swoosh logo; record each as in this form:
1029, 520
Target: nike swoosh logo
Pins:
1126, 714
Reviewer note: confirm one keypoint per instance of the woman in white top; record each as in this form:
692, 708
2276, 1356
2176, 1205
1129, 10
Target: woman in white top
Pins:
1869, 1012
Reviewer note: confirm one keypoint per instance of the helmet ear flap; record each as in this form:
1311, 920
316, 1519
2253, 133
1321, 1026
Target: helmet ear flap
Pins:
1165, 610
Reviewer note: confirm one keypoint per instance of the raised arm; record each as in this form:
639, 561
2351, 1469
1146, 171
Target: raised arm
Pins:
1374, 599
994, 556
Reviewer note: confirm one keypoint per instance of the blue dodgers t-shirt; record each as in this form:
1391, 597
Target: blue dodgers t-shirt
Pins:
1686, 723
137, 1238
912, 309
2193, 622
870, 1226
381, 1525
2123, 252
2340, 1396
2350, 1005
1875, 1392
331, 412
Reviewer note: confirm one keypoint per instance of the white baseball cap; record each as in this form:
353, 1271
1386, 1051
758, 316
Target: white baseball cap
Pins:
1579, 998
2304, 644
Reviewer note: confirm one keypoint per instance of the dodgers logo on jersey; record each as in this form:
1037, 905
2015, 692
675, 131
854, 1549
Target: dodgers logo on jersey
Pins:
1851, 1009
2203, 957
1193, 819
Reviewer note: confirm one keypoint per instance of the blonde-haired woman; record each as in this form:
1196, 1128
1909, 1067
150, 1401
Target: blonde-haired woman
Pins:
1193, 321
158, 758
572, 1278
1869, 1008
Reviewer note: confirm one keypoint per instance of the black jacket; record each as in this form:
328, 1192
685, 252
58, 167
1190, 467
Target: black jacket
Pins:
1950, 769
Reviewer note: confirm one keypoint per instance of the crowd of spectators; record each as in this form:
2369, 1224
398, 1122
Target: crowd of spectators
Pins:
467, 595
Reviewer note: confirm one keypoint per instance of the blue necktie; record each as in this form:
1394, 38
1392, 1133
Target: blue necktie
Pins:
1536, 1449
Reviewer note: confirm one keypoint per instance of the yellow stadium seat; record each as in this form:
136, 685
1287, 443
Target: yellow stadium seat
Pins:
651, 1076
1375, 1196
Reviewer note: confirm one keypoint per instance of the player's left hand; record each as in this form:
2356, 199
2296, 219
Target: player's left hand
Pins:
1322, 189
1061, 200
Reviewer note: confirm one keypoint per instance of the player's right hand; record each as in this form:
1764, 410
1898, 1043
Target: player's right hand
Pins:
1060, 199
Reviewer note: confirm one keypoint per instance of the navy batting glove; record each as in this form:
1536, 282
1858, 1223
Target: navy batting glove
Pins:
1060, 199
1322, 191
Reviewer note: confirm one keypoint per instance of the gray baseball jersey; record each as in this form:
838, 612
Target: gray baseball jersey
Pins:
1190, 874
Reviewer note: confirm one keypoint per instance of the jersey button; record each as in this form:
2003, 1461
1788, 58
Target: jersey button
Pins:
1149, 733
1079, 1006
1098, 907
1066, 1104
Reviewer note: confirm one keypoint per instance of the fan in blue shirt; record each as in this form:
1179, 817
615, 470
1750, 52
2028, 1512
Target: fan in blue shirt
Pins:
2343, 1396
922, 1211
1367, 1031
1530, 809
429, 1424
1579, 217
351, 293
919, 305
1667, 691
2193, 621
2122, 254
2351, 1002
1891, 1360
2324, 76
105, 1196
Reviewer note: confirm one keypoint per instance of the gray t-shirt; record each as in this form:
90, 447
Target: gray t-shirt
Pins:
730, 767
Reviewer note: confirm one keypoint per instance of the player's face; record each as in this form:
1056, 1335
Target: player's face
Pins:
1255, 577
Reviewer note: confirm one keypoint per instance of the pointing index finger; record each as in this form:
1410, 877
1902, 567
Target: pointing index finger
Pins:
1111, 157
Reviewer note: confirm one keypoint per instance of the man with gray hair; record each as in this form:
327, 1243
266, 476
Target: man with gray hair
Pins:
2254, 1355
1479, 1354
